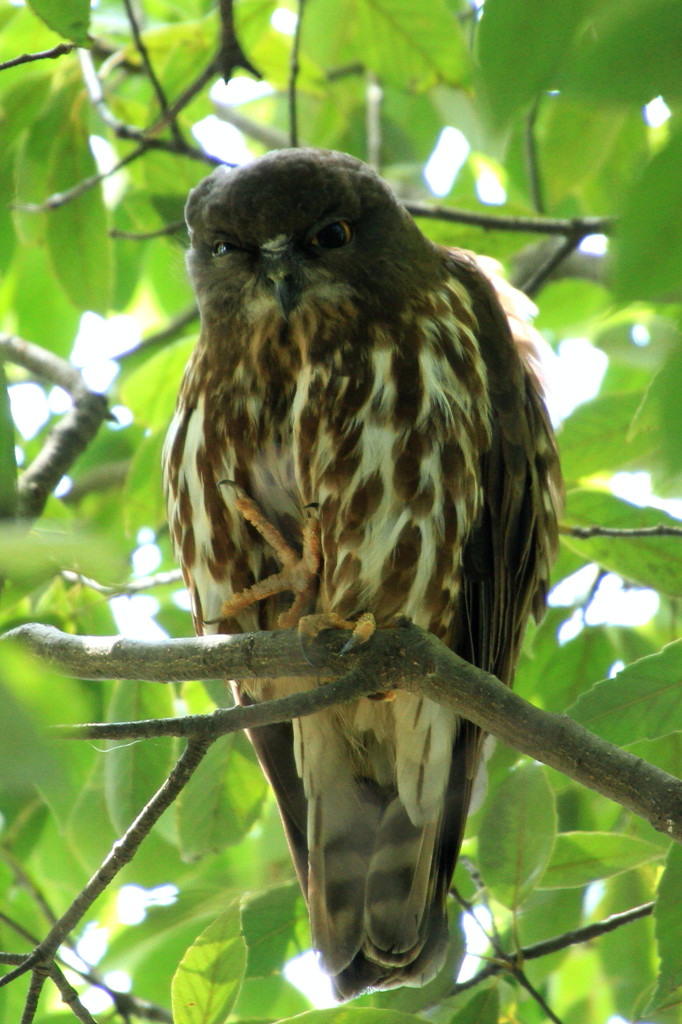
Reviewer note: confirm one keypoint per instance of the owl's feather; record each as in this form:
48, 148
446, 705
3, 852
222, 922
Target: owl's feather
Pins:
377, 377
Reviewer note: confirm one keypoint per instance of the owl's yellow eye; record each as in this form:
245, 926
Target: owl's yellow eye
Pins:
333, 235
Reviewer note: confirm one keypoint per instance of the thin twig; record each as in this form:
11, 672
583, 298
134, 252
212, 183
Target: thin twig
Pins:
159, 579
294, 69
585, 532
26, 58
72, 434
538, 277
126, 1003
70, 997
525, 982
533, 162
401, 658
57, 199
38, 978
578, 227
554, 945
187, 96
120, 854
273, 138
171, 330
231, 53
151, 74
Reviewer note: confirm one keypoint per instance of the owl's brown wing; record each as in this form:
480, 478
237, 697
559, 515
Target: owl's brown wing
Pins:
505, 566
510, 550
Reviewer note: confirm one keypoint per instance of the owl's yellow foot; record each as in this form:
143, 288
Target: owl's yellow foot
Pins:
299, 572
361, 628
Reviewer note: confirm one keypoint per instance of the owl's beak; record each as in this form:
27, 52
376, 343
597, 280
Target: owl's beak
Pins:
286, 291
280, 274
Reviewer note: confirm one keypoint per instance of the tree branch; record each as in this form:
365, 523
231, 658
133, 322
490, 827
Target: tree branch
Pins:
120, 854
575, 227
294, 68
27, 58
71, 435
400, 658
585, 532
231, 53
151, 74
532, 284
157, 579
555, 944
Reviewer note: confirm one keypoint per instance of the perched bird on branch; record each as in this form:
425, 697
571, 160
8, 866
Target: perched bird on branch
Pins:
360, 434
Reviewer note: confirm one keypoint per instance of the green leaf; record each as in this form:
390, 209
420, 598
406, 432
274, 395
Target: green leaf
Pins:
668, 923
207, 982
409, 42
151, 390
34, 698
647, 561
275, 926
579, 858
529, 36
222, 800
353, 1015
481, 1008
35, 556
517, 835
569, 305
77, 231
632, 53
133, 771
70, 18
404, 42
633, 945
659, 414
144, 503
648, 246
644, 701
588, 152
596, 438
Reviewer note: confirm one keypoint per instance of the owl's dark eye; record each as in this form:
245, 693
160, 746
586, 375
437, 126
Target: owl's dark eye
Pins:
333, 235
221, 247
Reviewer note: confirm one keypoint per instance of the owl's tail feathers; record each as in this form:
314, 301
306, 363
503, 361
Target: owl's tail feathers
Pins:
404, 927
342, 826
375, 895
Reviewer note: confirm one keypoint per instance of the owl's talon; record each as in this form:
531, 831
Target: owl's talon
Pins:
299, 572
361, 628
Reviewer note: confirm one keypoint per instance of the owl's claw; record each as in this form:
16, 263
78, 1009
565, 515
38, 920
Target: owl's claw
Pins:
299, 572
361, 628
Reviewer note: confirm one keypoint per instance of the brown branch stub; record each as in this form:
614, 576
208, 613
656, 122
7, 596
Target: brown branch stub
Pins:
396, 658
231, 53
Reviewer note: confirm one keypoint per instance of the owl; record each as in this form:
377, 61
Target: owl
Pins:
360, 434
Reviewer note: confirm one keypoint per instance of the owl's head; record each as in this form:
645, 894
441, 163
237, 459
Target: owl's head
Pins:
299, 224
